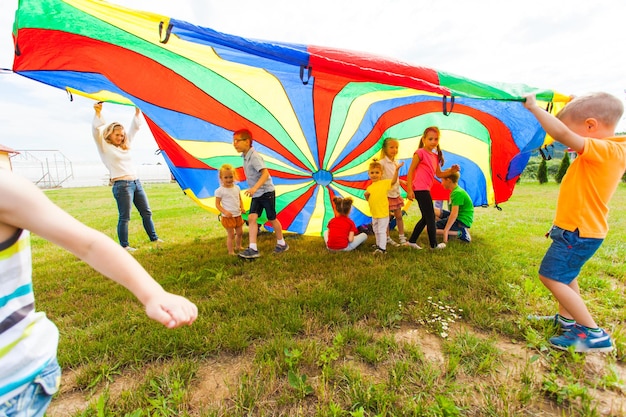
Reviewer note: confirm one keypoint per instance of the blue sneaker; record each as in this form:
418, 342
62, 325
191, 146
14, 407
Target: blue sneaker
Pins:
281, 248
464, 235
583, 340
556, 319
249, 253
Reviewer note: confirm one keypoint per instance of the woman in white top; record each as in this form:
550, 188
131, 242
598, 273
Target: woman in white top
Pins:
114, 148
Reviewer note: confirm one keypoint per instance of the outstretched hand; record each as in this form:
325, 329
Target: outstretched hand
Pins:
171, 310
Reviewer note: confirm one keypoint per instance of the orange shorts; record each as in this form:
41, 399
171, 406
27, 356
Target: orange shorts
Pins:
231, 222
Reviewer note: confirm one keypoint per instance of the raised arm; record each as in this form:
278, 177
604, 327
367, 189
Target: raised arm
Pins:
135, 125
446, 172
554, 127
96, 125
395, 174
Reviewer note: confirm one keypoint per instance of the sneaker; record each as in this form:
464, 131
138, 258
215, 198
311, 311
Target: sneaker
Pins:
556, 319
402, 239
440, 246
464, 235
129, 249
281, 248
379, 251
412, 245
158, 241
392, 242
583, 340
249, 253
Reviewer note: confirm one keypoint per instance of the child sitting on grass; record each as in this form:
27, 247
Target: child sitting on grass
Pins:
342, 234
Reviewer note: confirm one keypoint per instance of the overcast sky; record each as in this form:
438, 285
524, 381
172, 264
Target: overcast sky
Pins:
572, 46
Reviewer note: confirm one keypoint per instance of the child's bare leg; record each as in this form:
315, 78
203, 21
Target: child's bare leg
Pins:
253, 227
238, 237
397, 213
278, 228
230, 234
571, 303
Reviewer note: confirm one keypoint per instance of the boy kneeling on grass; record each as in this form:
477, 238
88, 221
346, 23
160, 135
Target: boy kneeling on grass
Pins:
459, 219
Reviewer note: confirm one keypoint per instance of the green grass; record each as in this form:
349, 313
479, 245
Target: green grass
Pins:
332, 334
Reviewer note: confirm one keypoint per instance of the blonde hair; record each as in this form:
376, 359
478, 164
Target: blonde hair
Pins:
342, 205
604, 107
375, 164
421, 145
386, 142
227, 168
106, 133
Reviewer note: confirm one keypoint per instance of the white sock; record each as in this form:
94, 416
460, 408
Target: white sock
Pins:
253, 246
281, 242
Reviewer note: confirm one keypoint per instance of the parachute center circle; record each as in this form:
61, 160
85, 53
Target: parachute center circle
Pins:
323, 177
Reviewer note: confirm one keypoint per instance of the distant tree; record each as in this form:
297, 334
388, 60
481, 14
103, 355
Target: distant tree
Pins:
542, 172
562, 168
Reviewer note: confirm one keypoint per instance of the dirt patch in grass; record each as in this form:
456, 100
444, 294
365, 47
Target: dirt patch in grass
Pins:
216, 380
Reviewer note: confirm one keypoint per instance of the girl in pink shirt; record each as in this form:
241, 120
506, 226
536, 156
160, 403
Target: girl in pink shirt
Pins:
424, 166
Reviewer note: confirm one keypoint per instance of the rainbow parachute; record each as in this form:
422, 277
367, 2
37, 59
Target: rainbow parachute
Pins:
318, 115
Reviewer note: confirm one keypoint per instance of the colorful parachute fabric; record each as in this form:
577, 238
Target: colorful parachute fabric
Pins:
318, 115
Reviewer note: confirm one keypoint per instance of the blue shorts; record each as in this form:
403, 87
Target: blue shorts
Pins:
266, 201
35, 399
567, 255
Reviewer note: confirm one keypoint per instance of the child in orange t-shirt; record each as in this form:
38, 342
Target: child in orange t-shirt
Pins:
586, 125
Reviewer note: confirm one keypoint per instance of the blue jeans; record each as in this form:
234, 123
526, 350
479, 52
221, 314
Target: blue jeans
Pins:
34, 400
126, 194
567, 254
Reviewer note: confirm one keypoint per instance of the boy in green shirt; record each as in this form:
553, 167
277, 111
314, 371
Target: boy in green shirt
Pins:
459, 219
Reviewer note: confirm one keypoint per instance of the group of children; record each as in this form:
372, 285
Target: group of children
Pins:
261, 189
586, 125
382, 194
29, 372
384, 199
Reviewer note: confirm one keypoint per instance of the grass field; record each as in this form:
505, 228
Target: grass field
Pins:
312, 333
